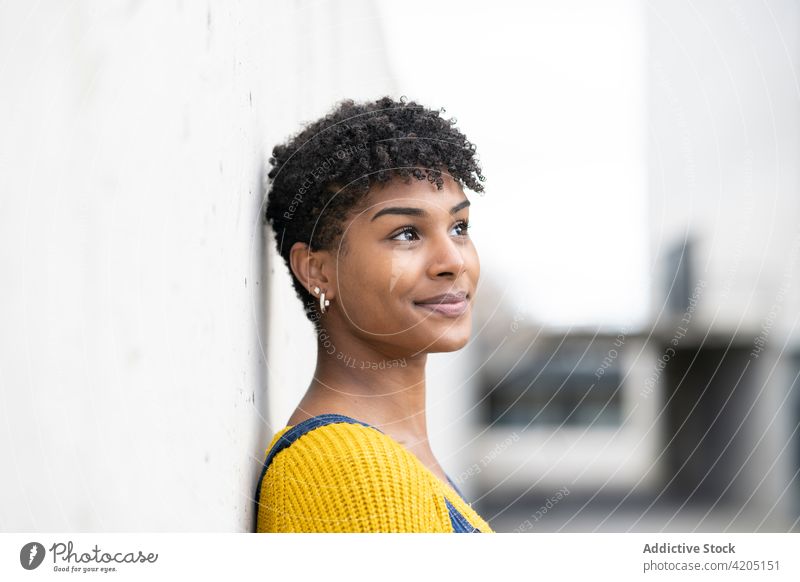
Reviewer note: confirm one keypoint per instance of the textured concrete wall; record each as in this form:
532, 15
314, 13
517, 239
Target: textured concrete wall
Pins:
132, 295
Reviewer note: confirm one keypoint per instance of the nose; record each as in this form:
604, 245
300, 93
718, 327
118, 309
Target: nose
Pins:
447, 258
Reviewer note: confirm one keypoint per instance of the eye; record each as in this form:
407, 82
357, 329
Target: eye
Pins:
464, 226
407, 230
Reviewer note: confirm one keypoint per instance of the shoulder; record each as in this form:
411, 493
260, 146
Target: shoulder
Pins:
346, 477
342, 453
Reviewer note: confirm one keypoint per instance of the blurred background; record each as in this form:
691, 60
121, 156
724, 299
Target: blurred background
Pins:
635, 355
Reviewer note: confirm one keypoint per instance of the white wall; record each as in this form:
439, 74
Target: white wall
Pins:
134, 141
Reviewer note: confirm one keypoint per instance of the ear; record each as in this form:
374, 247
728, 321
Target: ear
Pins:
313, 268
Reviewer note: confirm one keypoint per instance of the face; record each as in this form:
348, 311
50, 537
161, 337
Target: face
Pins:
408, 278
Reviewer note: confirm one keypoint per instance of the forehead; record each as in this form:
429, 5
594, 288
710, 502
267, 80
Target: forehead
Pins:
415, 193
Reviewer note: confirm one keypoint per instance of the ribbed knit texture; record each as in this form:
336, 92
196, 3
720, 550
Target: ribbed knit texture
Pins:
347, 477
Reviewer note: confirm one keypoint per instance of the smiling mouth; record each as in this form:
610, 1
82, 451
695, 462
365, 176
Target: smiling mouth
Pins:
453, 309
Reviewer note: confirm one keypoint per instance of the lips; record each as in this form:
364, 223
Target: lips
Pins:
447, 304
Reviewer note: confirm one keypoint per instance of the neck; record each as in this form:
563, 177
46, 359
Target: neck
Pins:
359, 381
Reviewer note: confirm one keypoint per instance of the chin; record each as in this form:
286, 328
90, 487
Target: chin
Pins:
444, 339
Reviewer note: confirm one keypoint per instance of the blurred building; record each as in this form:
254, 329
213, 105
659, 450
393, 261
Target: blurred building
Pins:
690, 421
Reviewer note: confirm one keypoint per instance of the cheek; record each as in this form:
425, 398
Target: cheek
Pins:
371, 279
376, 287
398, 270
352, 282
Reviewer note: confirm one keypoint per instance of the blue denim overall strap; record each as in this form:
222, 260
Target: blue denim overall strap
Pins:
457, 520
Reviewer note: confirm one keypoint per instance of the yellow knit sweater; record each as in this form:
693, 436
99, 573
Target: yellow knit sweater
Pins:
332, 473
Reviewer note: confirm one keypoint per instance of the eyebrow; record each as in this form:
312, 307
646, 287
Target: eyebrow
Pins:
412, 211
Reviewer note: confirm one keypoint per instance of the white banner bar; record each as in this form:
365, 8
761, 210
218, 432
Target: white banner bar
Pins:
533, 556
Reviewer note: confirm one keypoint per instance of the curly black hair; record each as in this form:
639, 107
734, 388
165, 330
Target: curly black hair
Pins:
320, 175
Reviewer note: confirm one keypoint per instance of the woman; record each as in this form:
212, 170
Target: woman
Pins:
369, 213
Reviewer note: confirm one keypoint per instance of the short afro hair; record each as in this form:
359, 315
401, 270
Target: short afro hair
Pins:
320, 175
